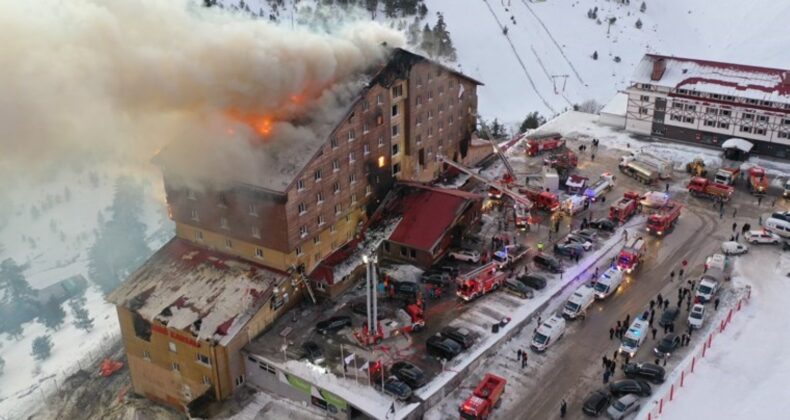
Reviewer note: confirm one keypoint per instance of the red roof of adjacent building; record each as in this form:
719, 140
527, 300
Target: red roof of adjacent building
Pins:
427, 214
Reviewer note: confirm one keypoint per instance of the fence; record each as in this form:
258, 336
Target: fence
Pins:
699, 352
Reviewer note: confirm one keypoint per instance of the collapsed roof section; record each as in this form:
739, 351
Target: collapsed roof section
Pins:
205, 293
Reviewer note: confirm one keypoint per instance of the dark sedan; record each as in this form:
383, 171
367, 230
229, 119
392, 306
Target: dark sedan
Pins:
669, 316
667, 345
461, 336
596, 402
569, 249
605, 225
547, 262
533, 281
313, 352
397, 388
646, 371
407, 372
334, 324
629, 386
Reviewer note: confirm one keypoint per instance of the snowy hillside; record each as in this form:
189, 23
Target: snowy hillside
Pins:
555, 37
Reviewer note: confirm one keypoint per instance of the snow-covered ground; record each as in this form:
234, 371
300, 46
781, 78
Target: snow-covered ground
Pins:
54, 246
745, 371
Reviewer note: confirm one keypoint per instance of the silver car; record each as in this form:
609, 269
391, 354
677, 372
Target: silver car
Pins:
623, 406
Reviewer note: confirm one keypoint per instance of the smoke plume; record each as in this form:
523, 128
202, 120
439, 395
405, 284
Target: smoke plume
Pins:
118, 79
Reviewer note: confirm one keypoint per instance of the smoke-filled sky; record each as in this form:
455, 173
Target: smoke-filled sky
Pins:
118, 79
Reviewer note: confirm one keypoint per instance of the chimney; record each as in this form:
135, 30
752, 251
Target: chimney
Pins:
659, 65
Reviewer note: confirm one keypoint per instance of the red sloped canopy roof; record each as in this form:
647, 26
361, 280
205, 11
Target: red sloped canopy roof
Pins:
427, 214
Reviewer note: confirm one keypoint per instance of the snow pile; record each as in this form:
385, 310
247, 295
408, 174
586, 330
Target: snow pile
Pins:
750, 356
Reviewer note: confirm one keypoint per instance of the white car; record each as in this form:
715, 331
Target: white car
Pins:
762, 237
466, 255
696, 316
625, 405
654, 199
716, 261
734, 248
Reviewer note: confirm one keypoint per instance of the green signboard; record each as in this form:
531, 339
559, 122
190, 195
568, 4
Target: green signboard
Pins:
299, 384
334, 399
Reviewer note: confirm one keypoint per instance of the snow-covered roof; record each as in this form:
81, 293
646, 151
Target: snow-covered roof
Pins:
736, 143
208, 294
617, 105
760, 83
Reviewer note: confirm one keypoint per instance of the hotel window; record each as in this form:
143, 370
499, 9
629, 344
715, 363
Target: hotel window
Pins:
239, 380
332, 229
351, 157
146, 355
302, 208
395, 149
710, 123
335, 165
172, 347
228, 243
256, 232
715, 96
316, 241
378, 99
365, 105
760, 131
644, 98
175, 366
334, 142
321, 220
395, 130
419, 82
351, 136
252, 209
317, 175
430, 131
206, 380
725, 112
441, 108
259, 252
302, 231
786, 121
223, 222
724, 125
688, 120
674, 117
430, 95
353, 198
746, 129
300, 185
762, 118
394, 110
419, 100
381, 141
430, 114
752, 101
419, 138
336, 188
783, 134
299, 251
352, 179
202, 358
397, 91
713, 111
419, 119
396, 169
450, 119
747, 116
338, 208
368, 190
319, 198
642, 110
677, 105
366, 149
198, 235
441, 90
195, 215
365, 128
691, 107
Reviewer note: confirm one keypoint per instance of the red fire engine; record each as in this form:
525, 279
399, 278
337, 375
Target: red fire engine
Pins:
664, 219
406, 321
479, 282
631, 255
544, 142
624, 208
484, 398
758, 182
702, 187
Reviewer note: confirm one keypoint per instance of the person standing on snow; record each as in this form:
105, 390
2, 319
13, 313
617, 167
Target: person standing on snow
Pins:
563, 408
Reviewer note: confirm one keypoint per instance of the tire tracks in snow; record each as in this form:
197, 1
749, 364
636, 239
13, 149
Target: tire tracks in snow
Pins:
562, 52
520, 61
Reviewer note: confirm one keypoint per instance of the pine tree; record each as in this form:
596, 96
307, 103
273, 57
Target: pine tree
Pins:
498, 130
444, 45
82, 319
391, 8
422, 10
372, 6
42, 347
638, 24
13, 282
52, 314
120, 244
428, 43
643, 7
532, 121
595, 55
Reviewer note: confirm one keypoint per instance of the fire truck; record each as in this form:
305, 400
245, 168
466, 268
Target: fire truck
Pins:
564, 160
631, 255
758, 182
540, 143
484, 398
604, 184
479, 282
406, 320
624, 208
726, 176
702, 187
641, 171
662, 167
576, 184
664, 220
543, 200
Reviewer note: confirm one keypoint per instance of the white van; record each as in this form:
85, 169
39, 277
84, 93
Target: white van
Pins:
634, 337
779, 223
714, 274
608, 283
578, 303
548, 333
716, 261
707, 289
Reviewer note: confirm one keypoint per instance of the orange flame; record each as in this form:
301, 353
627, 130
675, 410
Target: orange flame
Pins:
262, 125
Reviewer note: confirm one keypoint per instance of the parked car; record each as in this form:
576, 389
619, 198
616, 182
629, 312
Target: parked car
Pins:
629, 386
646, 371
762, 237
436, 278
595, 402
442, 347
397, 388
408, 373
313, 352
667, 345
734, 248
570, 250
533, 281
466, 255
515, 287
623, 406
462, 336
588, 234
406, 288
333, 324
450, 269
547, 262
696, 316
669, 316
579, 240
605, 225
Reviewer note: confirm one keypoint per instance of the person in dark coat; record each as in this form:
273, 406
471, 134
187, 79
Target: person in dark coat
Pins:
606, 376
611, 333
604, 361
734, 226
716, 304
654, 331
672, 276
519, 354
627, 320
666, 304
563, 408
